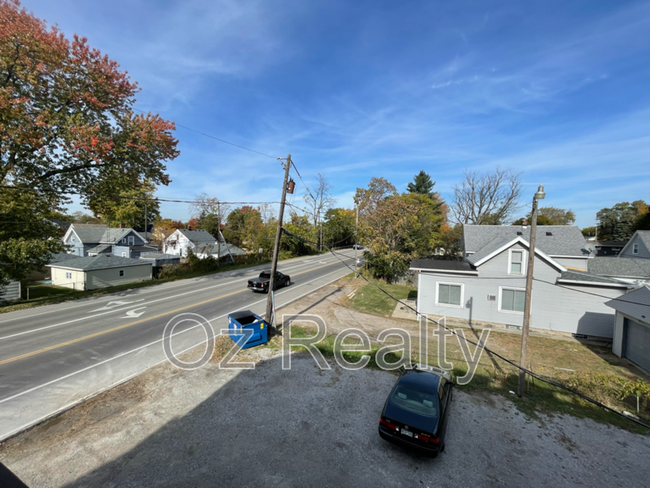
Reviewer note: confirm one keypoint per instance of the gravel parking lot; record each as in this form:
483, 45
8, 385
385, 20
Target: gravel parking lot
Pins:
307, 427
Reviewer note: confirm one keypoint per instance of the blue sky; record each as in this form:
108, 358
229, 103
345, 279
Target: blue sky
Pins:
354, 89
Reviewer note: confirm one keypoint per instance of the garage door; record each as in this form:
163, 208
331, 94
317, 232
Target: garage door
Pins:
637, 343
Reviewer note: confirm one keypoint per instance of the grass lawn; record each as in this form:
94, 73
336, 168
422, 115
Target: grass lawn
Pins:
369, 299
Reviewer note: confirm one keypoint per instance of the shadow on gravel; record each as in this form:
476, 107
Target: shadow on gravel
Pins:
303, 427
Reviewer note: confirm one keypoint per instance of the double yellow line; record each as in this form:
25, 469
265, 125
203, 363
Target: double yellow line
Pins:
108, 331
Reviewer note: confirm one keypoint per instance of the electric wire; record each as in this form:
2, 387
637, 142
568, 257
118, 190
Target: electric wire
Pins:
512, 363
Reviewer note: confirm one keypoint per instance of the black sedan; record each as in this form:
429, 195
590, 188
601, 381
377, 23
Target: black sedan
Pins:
415, 413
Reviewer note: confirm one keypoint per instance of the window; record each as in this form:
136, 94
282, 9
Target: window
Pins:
124, 240
121, 272
516, 262
450, 294
68, 276
131, 240
635, 248
512, 300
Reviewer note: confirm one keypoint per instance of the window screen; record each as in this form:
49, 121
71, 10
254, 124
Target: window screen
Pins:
512, 300
449, 294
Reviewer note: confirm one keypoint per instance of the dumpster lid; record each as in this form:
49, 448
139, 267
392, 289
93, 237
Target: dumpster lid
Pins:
241, 314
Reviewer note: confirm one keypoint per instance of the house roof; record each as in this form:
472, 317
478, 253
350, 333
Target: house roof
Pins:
639, 235
441, 265
621, 267
582, 277
100, 248
225, 247
636, 304
59, 257
89, 233
101, 261
113, 235
159, 255
199, 236
564, 240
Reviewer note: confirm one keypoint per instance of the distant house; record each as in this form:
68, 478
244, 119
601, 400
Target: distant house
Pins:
181, 240
608, 248
96, 239
160, 259
632, 327
488, 286
223, 251
638, 246
101, 271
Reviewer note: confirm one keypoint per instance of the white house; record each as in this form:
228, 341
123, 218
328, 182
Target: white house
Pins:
632, 327
488, 286
178, 243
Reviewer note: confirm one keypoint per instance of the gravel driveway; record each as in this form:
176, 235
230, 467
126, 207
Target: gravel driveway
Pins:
307, 427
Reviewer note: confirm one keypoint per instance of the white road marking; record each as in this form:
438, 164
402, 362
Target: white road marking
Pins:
115, 304
133, 313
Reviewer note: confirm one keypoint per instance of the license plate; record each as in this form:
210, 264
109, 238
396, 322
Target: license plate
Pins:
407, 432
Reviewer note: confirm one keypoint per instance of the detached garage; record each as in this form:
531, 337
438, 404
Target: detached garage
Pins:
99, 271
632, 327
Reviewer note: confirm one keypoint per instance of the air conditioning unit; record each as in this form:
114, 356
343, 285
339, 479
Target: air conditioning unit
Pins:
492, 298
514, 327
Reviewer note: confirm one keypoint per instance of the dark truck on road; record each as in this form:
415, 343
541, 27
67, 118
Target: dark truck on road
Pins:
262, 282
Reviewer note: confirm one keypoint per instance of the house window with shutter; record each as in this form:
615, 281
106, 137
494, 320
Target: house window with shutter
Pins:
516, 262
512, 300
449, 294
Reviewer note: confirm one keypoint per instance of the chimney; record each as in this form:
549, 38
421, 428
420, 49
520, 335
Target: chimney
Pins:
121, 225
524, 224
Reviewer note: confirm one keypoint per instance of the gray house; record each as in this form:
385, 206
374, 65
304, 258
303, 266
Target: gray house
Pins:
95, 239
632, 327
488, 286
638, 246
100, 271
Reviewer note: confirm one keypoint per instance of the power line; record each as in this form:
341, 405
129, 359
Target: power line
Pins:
512, 363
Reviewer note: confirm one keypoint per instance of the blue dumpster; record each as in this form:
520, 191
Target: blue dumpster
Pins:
246, 323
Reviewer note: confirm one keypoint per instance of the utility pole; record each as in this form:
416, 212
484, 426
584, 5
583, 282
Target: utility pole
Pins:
356, 225
276, 247
529, 292
219, 234
145, 222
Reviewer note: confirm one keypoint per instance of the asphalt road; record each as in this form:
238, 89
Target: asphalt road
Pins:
55, 356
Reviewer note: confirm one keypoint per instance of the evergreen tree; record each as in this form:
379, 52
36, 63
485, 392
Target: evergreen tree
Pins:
422, 184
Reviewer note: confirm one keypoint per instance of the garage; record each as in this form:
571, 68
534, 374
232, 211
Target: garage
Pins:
636, 345
632, 327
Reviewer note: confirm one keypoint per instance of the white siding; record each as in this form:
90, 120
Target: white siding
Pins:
69, 278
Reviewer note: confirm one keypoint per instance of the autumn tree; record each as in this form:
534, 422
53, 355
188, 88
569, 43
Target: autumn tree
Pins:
368, 199
421, 184
251, 228
132, 207
339, 227
589, 231
80, 217
541, 220
67, 122
162, 229
486, 198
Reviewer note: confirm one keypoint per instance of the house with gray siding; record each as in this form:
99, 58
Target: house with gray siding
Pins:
488, 286
101, 271
95, 239
638, 246
632, 327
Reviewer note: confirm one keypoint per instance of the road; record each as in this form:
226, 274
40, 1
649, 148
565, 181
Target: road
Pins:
56, 356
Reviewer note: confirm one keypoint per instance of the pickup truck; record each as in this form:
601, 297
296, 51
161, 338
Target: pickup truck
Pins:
262, 282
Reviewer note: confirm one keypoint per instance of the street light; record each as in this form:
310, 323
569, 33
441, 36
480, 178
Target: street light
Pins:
539, 195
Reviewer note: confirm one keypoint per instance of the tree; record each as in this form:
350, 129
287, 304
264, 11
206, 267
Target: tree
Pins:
449, 245
541, 220
79, 217
27, 237
422, 184
617, 223
131, 207
486, 198
367, 199
66, 113
162, 229
338, 227
319, 200
589, 231
558, 216
210, 213
247, 228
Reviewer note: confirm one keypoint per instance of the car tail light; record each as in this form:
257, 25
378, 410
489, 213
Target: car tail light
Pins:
428, 438
388, 424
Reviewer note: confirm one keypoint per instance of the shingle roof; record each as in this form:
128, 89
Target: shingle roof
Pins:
199, 236
159, 255
100, 248
565, 240
102, 261
488, 249
237, 251
618, 266
636, 304
441, 264
113, 235
572, 275
89, 233
644, 236
59, 257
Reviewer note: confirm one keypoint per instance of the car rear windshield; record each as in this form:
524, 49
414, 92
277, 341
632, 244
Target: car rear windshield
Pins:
265, 274
415, 401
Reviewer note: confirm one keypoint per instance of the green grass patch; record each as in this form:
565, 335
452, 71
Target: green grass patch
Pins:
369, 299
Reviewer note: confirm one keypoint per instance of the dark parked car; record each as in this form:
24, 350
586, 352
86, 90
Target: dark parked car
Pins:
262, 282
415, 413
